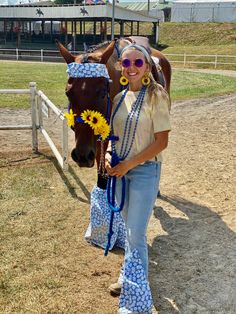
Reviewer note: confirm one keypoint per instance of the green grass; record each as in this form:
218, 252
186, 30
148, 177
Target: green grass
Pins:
24, 189
51, 79
188, 85
229, 49
198, 34
199, 39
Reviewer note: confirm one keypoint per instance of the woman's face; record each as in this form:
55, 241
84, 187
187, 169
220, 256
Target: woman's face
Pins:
131, 68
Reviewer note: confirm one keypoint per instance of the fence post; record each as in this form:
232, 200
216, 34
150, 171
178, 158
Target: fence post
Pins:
41, 55
65, 145
17, 54
215, 61
185, 59
34, 116
39, 110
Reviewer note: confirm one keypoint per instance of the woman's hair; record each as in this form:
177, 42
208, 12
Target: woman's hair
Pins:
153, 86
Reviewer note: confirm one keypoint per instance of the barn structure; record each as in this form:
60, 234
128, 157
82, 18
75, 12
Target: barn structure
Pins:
203, 11
71, 24
157, 9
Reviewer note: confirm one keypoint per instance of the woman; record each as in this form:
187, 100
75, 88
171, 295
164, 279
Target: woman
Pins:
140, 118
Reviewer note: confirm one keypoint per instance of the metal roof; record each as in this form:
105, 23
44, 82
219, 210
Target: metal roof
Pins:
77, 12
141, 6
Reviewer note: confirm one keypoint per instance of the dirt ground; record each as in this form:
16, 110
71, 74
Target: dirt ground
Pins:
192, 240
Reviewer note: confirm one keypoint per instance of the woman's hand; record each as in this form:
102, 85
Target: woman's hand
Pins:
119, 170
108, 167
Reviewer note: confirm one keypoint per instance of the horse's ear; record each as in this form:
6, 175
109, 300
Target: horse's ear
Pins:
69, 58
108, 52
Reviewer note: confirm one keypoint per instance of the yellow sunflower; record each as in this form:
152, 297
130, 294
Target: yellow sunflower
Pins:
96, 120
86, 116
104, 131
70, 118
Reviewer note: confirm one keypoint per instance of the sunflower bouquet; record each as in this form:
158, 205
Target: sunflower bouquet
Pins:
93, 118
97, 122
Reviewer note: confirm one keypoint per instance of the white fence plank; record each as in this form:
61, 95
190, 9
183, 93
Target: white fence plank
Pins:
187, 59
48, 102
36, 100
16, 127
14, 91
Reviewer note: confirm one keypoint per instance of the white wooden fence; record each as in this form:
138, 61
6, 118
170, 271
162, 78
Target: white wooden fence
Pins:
184, 59
40, 55
40, 106
214, 60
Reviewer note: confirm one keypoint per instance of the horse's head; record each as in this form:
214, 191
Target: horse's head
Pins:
87, 89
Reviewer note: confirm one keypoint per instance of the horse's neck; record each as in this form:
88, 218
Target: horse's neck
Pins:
115, 77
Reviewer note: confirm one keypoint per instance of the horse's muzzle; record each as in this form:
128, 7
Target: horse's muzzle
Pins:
83, 159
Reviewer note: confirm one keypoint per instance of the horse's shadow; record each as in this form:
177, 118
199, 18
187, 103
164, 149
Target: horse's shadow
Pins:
193, 266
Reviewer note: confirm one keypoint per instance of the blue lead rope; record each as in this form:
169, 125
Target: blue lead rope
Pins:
126, 145
111, 191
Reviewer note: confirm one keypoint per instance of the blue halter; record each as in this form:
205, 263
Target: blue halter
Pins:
86, 70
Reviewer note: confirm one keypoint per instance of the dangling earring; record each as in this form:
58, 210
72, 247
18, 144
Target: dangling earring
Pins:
146, 79
123, 80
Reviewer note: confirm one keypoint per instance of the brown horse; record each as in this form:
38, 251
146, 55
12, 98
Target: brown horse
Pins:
92, 92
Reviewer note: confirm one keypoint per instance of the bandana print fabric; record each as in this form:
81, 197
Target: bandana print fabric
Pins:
78, 70
99, 222
135, 293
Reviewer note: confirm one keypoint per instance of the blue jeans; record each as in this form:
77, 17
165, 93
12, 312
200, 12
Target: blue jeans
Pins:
142, 184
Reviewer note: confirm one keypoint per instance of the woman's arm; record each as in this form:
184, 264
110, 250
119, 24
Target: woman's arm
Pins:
160, 143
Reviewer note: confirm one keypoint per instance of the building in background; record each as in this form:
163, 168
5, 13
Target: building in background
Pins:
38, 25
160, 9
203, 11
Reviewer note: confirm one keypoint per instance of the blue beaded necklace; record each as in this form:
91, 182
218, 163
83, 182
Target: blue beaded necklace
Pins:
133, 117
126, 145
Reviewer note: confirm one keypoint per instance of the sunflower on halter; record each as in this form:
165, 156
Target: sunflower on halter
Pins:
93, 118
86, 116
103, 130
70, 118
97, 122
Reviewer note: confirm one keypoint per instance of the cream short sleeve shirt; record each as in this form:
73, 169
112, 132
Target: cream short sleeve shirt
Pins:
154, 117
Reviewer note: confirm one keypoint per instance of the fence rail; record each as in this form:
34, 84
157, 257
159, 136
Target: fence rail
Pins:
213, 59
42, 55
40, 106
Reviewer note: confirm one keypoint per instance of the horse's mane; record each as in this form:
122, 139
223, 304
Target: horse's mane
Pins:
96, 47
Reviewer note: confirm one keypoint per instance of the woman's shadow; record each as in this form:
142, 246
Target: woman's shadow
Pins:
193, 263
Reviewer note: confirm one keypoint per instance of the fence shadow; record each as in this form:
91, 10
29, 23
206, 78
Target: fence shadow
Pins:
71, 189
80, 183
193, 265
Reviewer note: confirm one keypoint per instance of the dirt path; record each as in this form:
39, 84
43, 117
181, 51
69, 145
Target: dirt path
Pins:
192, 234
192, 241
